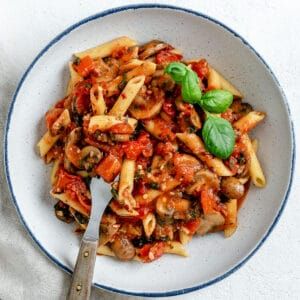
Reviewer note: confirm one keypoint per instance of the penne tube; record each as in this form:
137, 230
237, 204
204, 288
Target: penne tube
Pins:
122, 211
74, 78
149, 223
184, 237
105, 123
148, 196
97, 100
177, 248
133, 63
216, 81
126, 97
254, 143
146, 69
53, 175
195, 144
113, 86
62, 122
231, 218
106, 49
255, 170
46, 143
249, 121
126, 183
69, 201
159, 129
105, 250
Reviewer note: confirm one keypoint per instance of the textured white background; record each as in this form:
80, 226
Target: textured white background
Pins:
271, 26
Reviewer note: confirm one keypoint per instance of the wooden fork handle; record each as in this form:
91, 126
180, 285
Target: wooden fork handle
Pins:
80, 288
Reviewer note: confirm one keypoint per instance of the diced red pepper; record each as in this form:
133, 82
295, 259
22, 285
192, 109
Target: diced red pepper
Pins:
85, 66
142, 145
201, 68
165, 57
109, 167
192, 225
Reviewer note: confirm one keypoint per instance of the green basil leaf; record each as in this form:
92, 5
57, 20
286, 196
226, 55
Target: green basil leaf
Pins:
177, 71
216, 101
218, 136
190, 89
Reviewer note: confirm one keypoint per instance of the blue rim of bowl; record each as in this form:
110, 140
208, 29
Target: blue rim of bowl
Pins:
110, 12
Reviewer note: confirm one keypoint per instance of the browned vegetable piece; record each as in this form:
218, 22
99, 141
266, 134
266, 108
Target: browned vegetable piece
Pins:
123, 248
232, 188
62, 212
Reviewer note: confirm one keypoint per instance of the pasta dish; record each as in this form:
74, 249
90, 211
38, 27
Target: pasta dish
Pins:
171, 137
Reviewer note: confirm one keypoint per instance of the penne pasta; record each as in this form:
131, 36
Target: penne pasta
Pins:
148, 196
104, 123
97, 100
61, 122
184, 237
132, 64
175, 248
55, 167
146, 69
255, 170
127, 96
254, 145
105, 250
216, 81
231, 218
46, 143
69, 201
194, 143
149, 223
126, 183
121, 211
249, 121
124, 120
74, 78
106, 49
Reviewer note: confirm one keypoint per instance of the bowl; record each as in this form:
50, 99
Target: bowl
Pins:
212, 257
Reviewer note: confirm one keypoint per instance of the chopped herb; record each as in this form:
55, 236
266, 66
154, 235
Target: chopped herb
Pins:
149, 169
137, 175
154, 185
81, 218
114, 193
76, 61
122, 84
241, 159
192, 129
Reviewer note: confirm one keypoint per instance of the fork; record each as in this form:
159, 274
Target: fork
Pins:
81, 282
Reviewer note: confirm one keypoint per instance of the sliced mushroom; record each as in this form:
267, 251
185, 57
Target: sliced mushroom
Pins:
151, 48
148, 105
62, 212
71, 150
84, 158
89, 157
209, 222
79, 218
123, 248
232, 188
204, 178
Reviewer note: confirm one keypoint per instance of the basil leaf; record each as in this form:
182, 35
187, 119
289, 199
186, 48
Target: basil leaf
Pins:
216, 101
218, 136
190, 89
176, 70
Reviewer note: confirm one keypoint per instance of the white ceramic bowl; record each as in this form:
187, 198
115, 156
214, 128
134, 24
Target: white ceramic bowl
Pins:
211, 257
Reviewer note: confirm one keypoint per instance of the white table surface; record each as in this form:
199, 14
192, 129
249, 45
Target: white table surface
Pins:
271, 26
